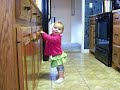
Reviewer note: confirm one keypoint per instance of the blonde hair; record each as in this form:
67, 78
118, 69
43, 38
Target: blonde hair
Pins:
59, 25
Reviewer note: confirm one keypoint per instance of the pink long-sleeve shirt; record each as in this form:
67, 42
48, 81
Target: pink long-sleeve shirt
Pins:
52, 44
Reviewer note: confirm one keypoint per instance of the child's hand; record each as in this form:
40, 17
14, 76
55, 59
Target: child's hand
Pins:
38, 33
41, 32
33, 37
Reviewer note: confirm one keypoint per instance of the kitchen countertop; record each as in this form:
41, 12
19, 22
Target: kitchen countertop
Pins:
113, 11
93, 15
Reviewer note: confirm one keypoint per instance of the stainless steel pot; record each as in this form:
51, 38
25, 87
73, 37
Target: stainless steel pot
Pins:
107, 6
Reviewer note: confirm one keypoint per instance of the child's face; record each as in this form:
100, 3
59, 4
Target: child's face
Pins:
56, 30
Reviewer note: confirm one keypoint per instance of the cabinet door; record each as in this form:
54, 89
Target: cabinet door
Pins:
36, 62
25, 58
116, 55
92, 38
29, 63
116, 34
40, 46
36, 56
41, 43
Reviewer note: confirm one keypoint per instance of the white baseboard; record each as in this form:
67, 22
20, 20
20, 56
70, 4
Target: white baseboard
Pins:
85, 51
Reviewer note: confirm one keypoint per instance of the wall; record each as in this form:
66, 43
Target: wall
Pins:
76, 20
61, 9
97, 8
74, 27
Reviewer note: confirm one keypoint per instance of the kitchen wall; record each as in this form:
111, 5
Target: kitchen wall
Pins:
76, 22
61, 9
97, 8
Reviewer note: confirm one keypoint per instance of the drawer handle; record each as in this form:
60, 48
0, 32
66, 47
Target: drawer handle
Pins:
38, 15
116, 35
27, 7
34, 13
115, 54
116, 18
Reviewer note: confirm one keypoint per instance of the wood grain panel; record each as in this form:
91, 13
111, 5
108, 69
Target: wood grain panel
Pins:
116, 34
116, 55
16, 66
92, 34
8, 60
23, 9
21, 65
116, 40
23, 31
116, 18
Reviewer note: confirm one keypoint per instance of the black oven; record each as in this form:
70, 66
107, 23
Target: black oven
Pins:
116, 4
103, 38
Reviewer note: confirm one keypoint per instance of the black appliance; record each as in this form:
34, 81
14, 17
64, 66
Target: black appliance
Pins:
103, 38
116, 4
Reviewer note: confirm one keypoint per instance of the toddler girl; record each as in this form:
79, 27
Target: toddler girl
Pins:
53, 49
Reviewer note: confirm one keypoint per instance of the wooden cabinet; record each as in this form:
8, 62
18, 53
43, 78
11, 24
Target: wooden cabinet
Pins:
21, 55
8, 54
92, 34
28, 58
116, 39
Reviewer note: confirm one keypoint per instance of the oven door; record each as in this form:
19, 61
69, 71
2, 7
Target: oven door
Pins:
103, 31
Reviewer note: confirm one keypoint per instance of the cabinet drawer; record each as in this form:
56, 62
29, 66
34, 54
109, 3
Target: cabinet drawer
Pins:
116, 54
116, 18
23, 34
36, 16
116, 34
39, 18
23, 9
